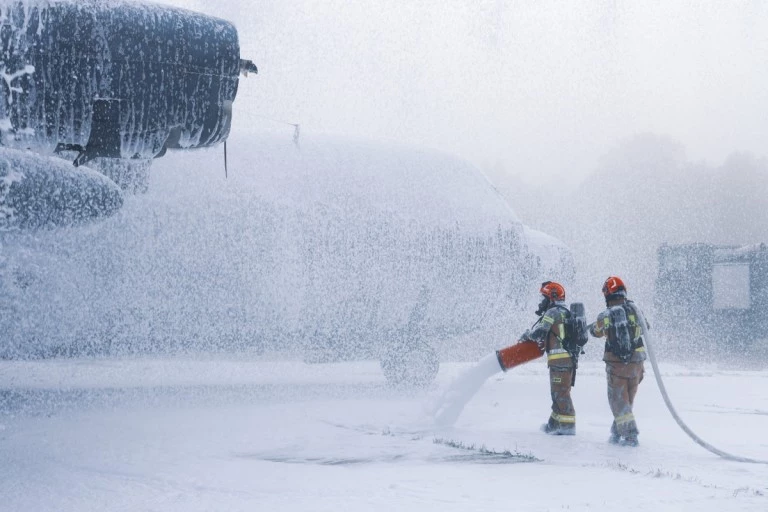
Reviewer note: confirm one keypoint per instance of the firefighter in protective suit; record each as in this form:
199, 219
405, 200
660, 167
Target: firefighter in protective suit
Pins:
620, 324
549, 333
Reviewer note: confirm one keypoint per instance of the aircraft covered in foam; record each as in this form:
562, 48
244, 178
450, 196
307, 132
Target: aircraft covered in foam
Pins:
107, 84
335, 250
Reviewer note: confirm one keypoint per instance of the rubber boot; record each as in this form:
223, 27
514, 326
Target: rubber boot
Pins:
555, 428
630, 440
615, 437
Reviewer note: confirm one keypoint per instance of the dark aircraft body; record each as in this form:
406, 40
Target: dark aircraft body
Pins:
91, 80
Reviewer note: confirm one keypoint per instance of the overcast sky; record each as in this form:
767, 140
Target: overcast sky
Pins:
541, 89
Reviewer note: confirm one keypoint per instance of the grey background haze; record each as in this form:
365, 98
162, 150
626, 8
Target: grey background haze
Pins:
538, 90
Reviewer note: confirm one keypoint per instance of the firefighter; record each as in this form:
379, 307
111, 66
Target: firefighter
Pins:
620, 324
549, 333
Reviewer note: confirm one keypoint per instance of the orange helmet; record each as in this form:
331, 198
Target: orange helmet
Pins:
613, 285
553, 291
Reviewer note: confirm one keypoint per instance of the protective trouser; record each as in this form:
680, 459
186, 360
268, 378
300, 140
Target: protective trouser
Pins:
623, 381
563, 417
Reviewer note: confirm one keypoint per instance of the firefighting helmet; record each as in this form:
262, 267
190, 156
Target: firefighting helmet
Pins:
614, 288
553, 291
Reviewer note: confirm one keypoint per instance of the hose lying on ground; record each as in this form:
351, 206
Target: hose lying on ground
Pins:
686, 429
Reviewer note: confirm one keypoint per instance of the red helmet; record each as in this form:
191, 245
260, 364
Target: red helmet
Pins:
553, 291
613, 285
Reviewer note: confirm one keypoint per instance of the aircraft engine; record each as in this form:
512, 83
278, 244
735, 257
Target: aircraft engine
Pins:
41, 192
117, 80
113, 84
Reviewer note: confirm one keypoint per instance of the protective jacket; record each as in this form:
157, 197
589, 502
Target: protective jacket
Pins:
549, 333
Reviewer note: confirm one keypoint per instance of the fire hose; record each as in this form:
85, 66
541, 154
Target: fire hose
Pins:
657, 374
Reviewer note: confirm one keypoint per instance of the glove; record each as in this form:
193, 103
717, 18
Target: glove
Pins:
526, 336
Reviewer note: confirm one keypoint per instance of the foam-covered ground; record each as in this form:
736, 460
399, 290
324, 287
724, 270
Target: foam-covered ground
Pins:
222, 434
